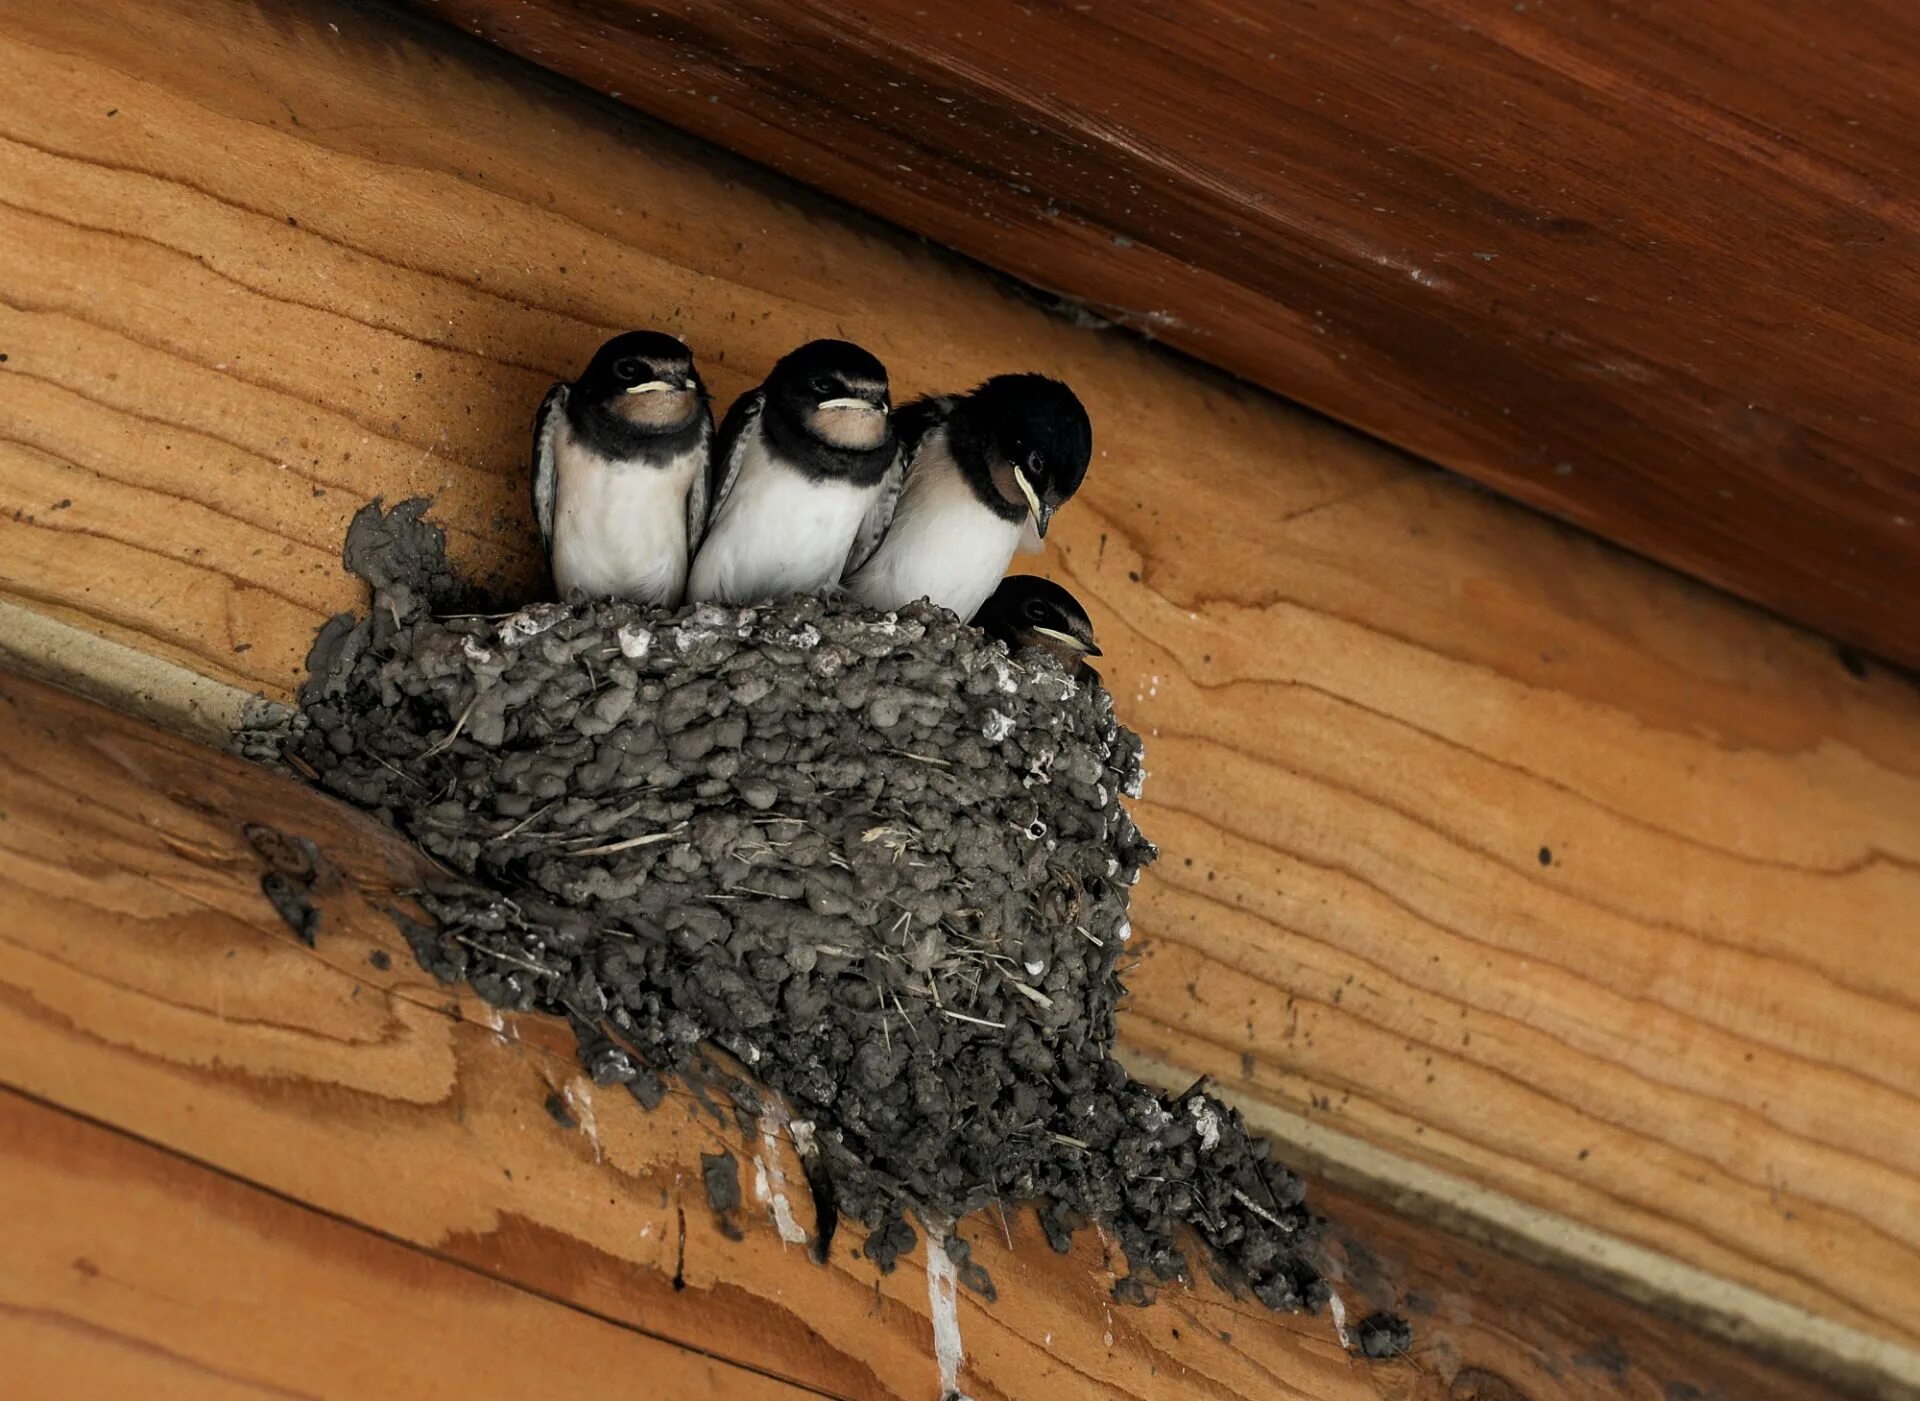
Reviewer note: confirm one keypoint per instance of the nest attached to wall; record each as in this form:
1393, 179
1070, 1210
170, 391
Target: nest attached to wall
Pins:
878, 862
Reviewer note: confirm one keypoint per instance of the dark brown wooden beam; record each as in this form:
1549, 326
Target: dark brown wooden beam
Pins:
1652, 270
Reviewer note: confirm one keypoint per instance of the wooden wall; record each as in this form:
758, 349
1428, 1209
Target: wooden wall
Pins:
1499, 867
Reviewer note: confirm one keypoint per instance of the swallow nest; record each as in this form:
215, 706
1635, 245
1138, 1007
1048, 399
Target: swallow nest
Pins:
865, 862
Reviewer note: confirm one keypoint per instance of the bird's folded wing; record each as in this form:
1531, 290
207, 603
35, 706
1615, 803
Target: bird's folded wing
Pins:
709, 491
913, 420
546, 429
698, 507
873, 525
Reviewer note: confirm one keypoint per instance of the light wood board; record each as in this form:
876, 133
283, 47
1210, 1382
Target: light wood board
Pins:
133, 1272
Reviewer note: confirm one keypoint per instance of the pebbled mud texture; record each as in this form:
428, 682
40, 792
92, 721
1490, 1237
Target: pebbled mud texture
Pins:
1383, 1335
293, 867
879, 863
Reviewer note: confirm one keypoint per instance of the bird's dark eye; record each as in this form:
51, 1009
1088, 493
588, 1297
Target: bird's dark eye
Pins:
627, 371
822, 387
1035, 610
1036, 461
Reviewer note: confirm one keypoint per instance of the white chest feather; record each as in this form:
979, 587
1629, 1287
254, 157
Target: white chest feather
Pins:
620, 529
943, 544
777, 534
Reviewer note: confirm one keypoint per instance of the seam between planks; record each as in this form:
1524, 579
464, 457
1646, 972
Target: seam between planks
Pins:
172, 696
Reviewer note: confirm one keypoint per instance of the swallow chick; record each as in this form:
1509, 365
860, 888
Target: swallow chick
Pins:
984, 473
804, 474
616, 456
1026, 611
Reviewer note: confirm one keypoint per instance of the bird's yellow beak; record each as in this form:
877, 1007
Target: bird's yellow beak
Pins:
1067, 639
1038, 511
652, 386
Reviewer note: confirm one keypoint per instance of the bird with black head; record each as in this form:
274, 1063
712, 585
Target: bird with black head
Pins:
984, 473
617, 454
1030, 613
804, 473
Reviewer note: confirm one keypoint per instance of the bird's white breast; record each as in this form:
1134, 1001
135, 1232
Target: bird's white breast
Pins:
777, 533
620, 528
943, 544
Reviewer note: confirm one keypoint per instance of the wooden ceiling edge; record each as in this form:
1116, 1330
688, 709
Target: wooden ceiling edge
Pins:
180, 700
1828, 1350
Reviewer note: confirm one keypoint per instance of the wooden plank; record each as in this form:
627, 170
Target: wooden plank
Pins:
132, 1271
1371, 698
146, 983
1651, 272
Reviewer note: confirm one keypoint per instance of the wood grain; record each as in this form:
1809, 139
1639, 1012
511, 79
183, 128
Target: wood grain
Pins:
317, 255
1649, 270
146, 983
131, 1271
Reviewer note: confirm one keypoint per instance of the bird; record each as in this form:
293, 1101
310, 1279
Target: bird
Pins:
984, 473
1026, 611
804, 475
616, 455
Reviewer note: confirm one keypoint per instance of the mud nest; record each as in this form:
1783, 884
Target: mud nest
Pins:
879, 863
